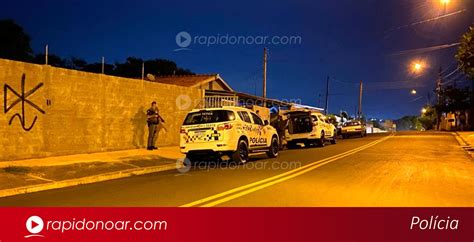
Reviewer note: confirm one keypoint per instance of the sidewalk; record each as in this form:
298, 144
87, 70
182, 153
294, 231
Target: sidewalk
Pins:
466, 139
23, 176
467, 136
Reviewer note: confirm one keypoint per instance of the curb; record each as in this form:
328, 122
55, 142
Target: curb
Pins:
86, 180
464, 144
460, 139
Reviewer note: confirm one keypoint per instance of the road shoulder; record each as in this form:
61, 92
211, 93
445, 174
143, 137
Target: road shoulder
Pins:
34, 175
466, 141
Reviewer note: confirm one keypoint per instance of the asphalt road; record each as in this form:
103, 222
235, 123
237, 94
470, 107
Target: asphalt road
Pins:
405, 169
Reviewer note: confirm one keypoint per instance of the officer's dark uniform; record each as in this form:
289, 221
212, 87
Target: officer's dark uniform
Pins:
153, 121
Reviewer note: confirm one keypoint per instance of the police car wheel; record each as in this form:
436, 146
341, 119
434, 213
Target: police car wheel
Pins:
274, 148
241, 155
322, 140
192, 159
334, 138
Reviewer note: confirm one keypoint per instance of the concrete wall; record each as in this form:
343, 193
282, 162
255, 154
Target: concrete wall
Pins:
83, 112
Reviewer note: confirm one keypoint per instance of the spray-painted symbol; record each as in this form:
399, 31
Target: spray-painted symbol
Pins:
22, 98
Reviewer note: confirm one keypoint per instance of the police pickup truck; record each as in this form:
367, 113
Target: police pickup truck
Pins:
309, 127
234, 132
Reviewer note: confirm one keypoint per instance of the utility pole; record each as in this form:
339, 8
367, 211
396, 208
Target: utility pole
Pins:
327, 97
359, 112
438, 101
103, 65
46, 50
438, 84
264, 94
143, 71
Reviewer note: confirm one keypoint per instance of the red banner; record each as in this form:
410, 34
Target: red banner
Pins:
237, 224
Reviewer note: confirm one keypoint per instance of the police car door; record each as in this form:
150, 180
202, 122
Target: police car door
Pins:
323, 123
258, 138
329, 131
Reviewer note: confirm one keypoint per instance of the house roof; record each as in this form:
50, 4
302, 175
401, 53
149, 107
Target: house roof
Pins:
276, 101
191, 80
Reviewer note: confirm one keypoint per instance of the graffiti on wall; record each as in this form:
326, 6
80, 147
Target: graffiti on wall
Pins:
21, 98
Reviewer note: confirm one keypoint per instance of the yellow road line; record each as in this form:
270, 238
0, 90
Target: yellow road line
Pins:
270, 183
261, 181
276, 179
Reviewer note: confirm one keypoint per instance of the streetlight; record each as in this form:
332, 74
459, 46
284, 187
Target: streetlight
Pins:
444, 5
413, 91
423, 110
417, 66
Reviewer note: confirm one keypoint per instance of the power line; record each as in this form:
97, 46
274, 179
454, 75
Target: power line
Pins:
456, 70
457, 79
343, 82
446, 70
426, 20
425, 49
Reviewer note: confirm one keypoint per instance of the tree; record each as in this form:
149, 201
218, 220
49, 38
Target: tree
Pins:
164, 67
15, 45
408, 123
428, 118
53, 60
131, 68
97, 68
14, 42
453, 100
76, 63
465, 53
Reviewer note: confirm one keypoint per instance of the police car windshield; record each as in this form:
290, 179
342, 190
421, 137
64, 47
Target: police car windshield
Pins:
209, 116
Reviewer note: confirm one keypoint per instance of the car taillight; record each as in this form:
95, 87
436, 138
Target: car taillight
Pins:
224, 126
182, 131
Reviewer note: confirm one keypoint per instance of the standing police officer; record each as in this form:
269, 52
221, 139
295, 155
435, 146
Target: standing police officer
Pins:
153, 120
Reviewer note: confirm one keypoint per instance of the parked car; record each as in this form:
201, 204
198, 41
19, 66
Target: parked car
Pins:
229, 131
353, 128
309, 127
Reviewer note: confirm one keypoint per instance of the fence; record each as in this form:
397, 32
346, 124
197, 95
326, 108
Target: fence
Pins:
220, 101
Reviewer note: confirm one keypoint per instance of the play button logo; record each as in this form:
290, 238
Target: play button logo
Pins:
183, 102
183, 39
34, 225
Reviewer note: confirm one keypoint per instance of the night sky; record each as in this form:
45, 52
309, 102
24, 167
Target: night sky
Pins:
348, 40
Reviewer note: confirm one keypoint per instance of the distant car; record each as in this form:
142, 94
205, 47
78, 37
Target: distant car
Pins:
353, 128
228, 131
309, 127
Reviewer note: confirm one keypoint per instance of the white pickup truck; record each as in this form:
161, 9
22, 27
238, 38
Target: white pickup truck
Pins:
309, 127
